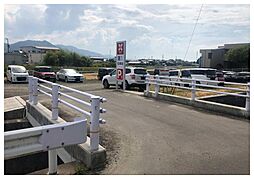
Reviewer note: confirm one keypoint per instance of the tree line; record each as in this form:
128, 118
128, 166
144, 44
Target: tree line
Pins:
239, 57
65, 58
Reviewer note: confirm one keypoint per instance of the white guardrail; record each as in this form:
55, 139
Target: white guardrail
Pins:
47, 138
198, 85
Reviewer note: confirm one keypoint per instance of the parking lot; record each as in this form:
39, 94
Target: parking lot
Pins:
146, 136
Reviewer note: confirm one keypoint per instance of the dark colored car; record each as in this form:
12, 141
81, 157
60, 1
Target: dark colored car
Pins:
243, 77
239, 77
45, 72
104, 71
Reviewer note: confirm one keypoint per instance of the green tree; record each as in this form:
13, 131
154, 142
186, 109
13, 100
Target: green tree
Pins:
86, 61
75, 59
62, 57
239, 57
50, 59
66, 58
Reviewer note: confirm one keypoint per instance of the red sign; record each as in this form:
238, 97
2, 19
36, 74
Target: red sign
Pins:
119, 75
120, 48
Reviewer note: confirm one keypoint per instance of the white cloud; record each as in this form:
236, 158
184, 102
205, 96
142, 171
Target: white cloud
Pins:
150, 30
9, 13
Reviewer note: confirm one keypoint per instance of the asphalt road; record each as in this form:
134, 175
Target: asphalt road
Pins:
145, 136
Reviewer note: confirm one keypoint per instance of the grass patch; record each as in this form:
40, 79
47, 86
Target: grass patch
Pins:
187, 92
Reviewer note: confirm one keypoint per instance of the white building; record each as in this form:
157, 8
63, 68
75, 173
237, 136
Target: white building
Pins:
36, 53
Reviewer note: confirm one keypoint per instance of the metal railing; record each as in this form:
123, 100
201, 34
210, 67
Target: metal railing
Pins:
43, 138
198, 85
54, 93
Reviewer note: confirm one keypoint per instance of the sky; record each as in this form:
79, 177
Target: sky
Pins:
151, 30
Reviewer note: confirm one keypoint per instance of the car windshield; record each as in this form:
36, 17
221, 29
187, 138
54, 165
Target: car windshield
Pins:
211, 72
243, 74
19, 70
173, 73
140, 71
43, 69
113, 72
203, 72
219, 74
71, 71
186, 73
197, 72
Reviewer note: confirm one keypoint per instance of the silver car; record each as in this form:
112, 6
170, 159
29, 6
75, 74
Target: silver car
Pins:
69, 75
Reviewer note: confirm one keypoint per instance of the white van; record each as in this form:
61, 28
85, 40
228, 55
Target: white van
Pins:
17, 73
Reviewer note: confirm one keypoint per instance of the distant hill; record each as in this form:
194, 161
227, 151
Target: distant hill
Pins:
17, 45
79, 51
44, 43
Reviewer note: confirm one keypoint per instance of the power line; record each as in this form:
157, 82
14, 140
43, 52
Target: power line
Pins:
193, 32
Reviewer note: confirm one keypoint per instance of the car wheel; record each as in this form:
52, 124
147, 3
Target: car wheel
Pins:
127, 86
11, 80
66, 80
106, 84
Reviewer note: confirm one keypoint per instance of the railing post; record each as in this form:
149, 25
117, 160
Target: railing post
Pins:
55, 89
52, 157
30, 88
157, 86
147, 84
247, 103
35, 91
94, 119
193, 90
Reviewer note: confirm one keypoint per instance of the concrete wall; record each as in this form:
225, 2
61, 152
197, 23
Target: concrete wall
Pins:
36, 58
207, 105
14, 59
217, 58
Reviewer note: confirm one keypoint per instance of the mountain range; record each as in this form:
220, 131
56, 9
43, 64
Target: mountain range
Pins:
16, 46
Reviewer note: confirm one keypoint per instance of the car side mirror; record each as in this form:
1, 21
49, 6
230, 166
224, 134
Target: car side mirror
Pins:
110, 74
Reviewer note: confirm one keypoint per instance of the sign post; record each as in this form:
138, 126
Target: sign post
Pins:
120, 63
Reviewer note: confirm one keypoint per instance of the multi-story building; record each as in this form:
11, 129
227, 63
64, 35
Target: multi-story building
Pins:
215, 58
36, 53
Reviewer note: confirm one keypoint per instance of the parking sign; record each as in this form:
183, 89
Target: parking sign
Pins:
119, 74
120, 62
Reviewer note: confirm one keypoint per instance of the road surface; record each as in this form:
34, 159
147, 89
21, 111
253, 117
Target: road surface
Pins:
145, 136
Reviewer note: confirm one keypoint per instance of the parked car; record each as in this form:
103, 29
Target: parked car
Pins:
243, 77
44, 72
16, 73
204, 74
239, 77
104, 71
161, 71
68, 75
220, 77
135, 77
229, 75
181, 73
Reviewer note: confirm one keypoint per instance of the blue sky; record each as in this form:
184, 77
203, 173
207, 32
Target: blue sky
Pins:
150, 30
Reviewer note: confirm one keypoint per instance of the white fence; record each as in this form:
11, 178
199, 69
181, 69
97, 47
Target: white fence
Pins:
54, 92
198, 85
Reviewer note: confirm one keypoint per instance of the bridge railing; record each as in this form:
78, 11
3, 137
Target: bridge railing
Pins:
199, 85
53, 90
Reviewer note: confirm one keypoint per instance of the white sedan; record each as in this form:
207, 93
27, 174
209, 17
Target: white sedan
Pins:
69, 75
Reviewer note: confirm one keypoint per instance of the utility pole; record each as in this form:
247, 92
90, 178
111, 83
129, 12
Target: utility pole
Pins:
8, 45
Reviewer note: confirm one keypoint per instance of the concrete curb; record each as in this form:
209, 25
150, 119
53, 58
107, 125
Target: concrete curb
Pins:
211, 106
14, 108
